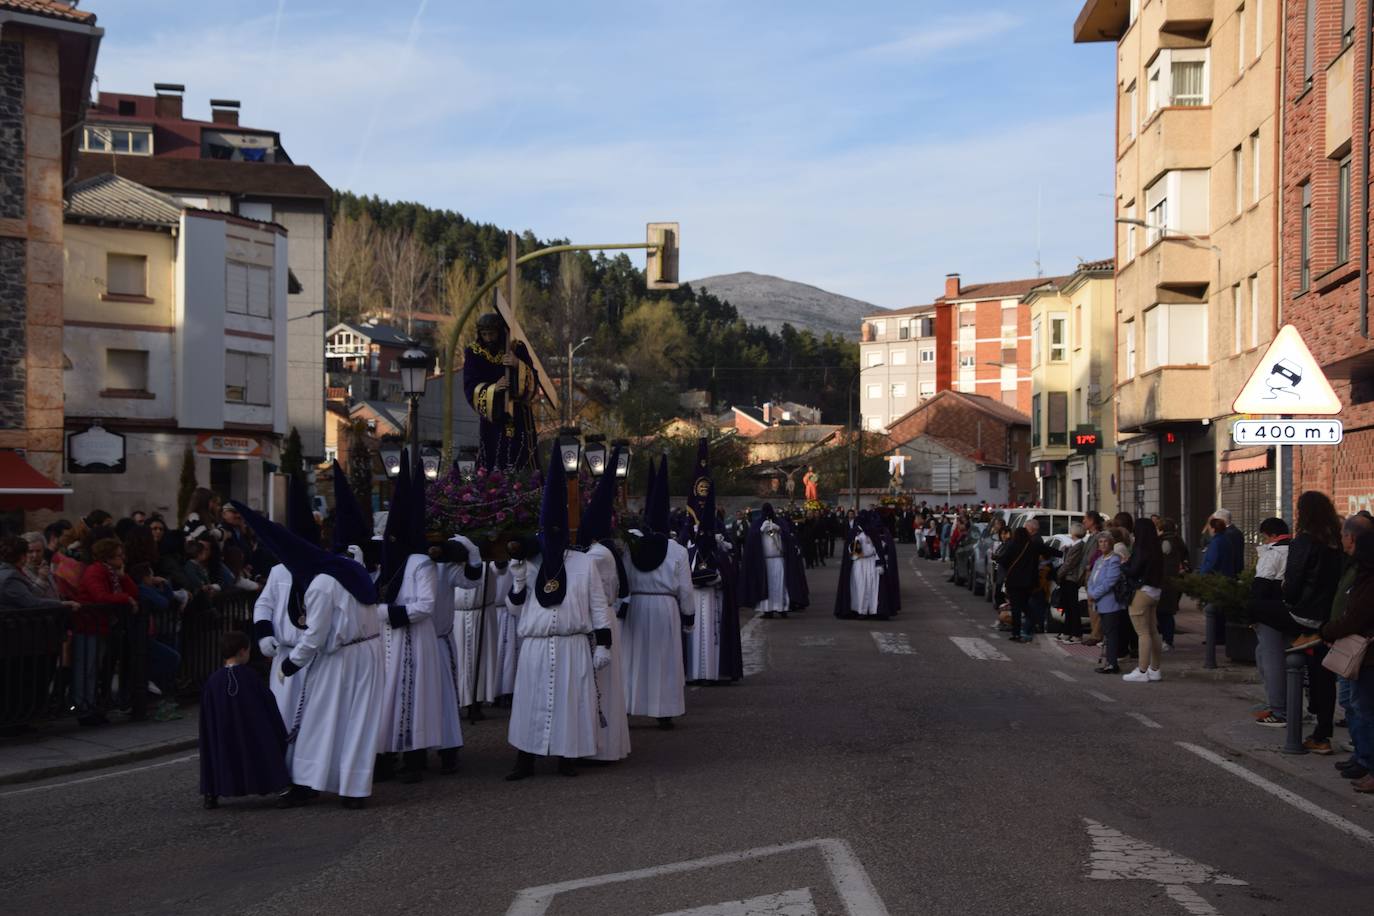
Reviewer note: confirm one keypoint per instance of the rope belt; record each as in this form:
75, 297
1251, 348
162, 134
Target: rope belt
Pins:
354, 642
654, 594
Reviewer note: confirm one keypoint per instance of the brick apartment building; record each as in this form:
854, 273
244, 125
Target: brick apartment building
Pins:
1325, 231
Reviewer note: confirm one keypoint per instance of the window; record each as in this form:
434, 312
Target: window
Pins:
1059, 338
1008, 379
966, 362
395, 366
247, 378
875, 359
1157, 216
880, 327
1238, 167
257, 210
1035, 421
1240, 38
1309, 41
899, 390
904, 332
1058, 433
1347, 23
1259, 26
1176, 335
927, 389
132, 141
1135, 14
1130, 349
1130, 112
1035, 341
926, 327
248, 289
1078, 327
1305, 239
1081, 407
1177, 202
1130, 234
899, 357
875, 423
1255, 167
1254, 310
1237, 319
967, 317
1178, 77
126, 370
1343, 211
126, 275
927, 355
875, 392
994, 479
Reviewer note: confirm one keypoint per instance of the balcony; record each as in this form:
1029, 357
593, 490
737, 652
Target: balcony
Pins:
1176, 263
1171, 394
1186, 15
1174, 138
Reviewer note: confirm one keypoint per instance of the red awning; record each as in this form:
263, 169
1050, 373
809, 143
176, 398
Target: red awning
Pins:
21, 487
1239, 460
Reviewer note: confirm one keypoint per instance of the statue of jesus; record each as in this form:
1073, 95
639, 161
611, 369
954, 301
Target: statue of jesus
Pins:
499, 382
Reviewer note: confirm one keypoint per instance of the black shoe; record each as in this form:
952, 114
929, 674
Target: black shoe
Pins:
475, 713
409, 777
1016, 638
295, 797
567, 766
782, 614
524, 767
448, 761
666, 723
353, 804
1346, 764
210, 802
1108, 669
385, 768
1355, 772
768, 615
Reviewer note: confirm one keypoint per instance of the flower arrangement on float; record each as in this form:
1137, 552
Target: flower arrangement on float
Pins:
492, 507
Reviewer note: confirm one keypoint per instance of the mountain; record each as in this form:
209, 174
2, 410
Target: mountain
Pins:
771, 301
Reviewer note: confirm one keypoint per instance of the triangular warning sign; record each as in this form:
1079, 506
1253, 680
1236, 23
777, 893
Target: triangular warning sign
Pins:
1287, 381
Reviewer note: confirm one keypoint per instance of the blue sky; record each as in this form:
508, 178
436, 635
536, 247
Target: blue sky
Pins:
864, 147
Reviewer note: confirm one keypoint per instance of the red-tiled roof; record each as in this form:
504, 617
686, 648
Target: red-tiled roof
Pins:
908, 310
52, 9
269, 179
1104, 264
1005, 289
995, 409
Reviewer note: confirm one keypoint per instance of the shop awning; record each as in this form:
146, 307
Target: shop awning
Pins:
23, 488
1238, 460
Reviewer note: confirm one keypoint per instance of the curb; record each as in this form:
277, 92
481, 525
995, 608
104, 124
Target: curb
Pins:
80, 766
1272, 758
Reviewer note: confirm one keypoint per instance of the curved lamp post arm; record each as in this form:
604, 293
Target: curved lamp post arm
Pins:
450, 349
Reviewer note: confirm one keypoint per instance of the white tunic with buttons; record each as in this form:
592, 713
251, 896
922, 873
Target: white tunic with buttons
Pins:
659, 601
274, 604
775, 565
412, 701
480, 596
612, 739
554, 710
447, 577
864, 576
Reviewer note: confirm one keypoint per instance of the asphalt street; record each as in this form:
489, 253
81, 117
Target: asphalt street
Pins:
911, 766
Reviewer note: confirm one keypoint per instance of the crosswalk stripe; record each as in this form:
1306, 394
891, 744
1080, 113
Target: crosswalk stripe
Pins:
1144, 720
1063, 677
892, 643
979, 649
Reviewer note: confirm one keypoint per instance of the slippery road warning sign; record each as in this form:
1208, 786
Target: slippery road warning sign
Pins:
1287, 381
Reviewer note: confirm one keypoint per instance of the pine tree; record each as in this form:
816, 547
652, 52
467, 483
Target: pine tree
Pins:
187, 485
360, 467
292, 462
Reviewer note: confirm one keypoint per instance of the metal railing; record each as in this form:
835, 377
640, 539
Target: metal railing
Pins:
35, 653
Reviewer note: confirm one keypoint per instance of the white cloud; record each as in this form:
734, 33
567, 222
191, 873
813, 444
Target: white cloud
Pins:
946, 35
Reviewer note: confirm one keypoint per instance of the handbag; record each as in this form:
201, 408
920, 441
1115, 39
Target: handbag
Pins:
1345, 658
1123, 590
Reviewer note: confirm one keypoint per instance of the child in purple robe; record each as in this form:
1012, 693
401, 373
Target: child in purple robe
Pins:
242, 738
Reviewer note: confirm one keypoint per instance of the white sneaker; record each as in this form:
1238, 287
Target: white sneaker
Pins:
1136, 677
1154, 674
153, 689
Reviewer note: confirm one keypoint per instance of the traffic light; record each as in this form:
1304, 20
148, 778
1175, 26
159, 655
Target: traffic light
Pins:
661, 270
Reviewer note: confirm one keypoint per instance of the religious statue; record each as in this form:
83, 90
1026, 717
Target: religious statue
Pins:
812, 481
499, 382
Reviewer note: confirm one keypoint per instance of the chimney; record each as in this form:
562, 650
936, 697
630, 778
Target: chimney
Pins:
224, 111
768, 412
168, 103
951, 286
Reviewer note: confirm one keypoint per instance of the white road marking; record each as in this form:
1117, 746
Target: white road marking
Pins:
892, 643
816, 642
1117, 857
852, 883
979, 649
86, 779
789, 903
1099, 695
1144, 720
1064, 677
751, 637
1282, 794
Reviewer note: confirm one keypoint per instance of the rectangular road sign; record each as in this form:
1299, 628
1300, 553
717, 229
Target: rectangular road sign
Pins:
1287, 432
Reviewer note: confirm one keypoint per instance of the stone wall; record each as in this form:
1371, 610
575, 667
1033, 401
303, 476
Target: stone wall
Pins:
11, 130
13, 377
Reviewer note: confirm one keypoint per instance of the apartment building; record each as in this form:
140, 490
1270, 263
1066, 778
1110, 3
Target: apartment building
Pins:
983, 340
220, 164
47, 57
1196, 244
173, 338
896, 364
1073, 328
1325, 239
362, 360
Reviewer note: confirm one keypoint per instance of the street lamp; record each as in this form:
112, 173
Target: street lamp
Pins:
596, 453
572, 351
622, 464
467, 462
1165, 231
429, 460
390, 450
853, 479
414, 364
570, 448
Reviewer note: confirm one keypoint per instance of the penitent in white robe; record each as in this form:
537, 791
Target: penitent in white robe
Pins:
274, 604
613, 738
447, 576
661, 603
775, 565
554, 711
340, 653
703, 645
412, 698
478, 631
865, 578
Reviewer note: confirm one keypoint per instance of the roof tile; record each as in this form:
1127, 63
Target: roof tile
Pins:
52, 9
115, 199
268, 179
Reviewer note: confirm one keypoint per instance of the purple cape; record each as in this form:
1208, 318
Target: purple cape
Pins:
242, 738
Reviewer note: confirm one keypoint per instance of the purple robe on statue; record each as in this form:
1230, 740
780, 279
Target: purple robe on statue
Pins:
505, 423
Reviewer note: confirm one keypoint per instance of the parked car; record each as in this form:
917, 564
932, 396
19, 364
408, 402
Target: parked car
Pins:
965, 557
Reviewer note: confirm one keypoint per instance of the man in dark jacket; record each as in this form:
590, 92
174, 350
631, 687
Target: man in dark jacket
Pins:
1358, 620
1235, 542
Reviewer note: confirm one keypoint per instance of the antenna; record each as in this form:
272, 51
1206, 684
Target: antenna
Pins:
1039, 195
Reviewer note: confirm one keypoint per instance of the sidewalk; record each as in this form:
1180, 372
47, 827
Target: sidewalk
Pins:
59, 747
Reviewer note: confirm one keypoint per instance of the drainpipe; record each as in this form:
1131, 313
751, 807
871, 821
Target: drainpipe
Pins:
1364, 169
